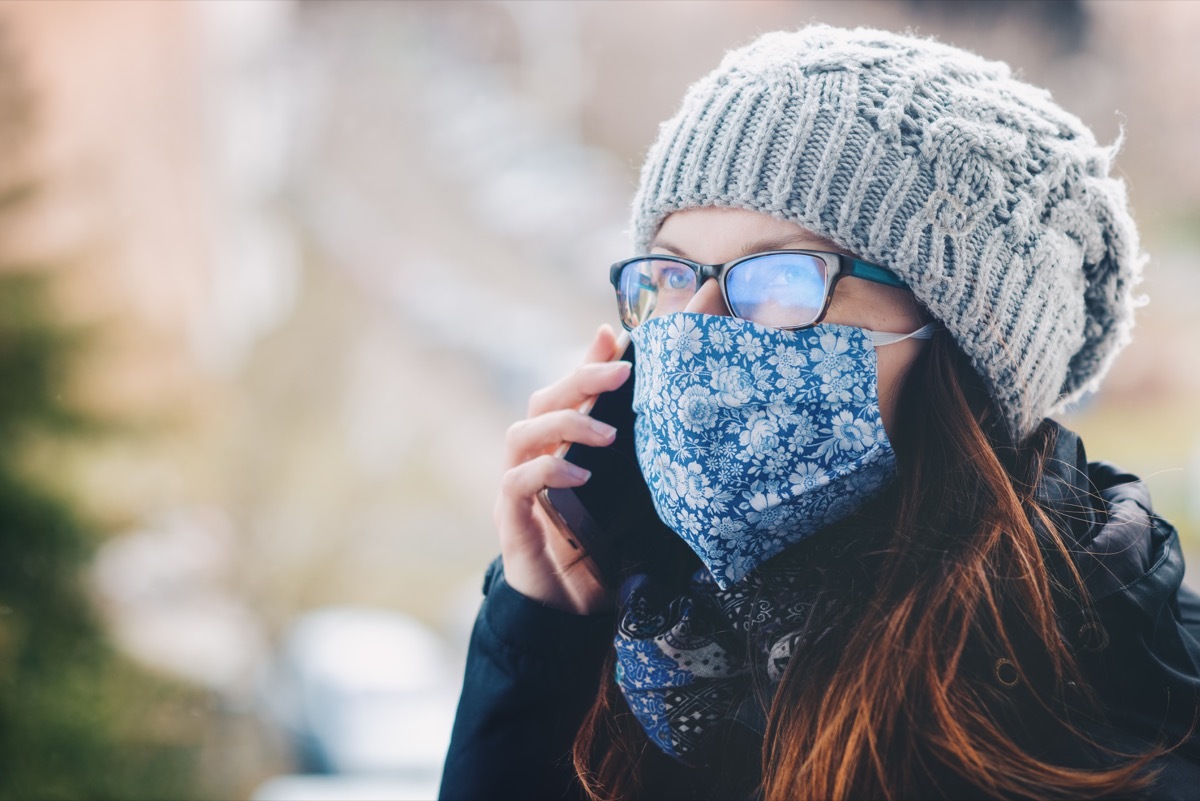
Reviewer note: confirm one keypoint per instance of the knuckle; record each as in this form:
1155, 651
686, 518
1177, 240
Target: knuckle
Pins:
510, 483
538, 400
514, 434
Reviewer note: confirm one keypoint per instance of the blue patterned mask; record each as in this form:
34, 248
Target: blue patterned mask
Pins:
752, 438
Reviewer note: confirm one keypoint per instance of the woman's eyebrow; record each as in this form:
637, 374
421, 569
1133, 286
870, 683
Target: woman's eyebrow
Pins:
758, 246
659, 244
782, 243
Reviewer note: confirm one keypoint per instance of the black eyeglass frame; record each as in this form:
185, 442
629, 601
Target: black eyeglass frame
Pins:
837, 267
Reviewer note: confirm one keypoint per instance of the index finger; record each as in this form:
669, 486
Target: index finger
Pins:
604, 345
584, 383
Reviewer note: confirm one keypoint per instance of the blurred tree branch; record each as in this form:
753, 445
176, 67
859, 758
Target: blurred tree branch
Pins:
77, 720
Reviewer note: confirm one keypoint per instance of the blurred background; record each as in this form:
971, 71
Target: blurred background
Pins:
276, 276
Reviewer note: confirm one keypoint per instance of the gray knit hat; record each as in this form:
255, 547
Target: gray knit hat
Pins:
990, 201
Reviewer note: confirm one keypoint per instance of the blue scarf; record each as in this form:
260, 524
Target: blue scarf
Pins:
694, 660
751, 439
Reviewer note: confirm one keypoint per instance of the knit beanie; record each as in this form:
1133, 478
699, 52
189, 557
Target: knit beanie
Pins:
992, 203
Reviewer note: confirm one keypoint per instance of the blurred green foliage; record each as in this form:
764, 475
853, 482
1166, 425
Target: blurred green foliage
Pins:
77, 720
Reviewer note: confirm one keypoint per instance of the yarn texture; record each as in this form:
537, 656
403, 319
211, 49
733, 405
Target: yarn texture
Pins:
993, 203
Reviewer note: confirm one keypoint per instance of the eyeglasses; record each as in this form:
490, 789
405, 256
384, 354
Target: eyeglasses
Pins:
780, 288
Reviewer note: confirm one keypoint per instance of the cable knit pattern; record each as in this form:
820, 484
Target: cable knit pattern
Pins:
994, 204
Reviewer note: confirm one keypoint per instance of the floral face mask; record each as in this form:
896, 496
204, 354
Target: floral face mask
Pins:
752, 438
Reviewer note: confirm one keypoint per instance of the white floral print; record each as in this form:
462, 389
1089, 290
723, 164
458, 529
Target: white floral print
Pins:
752, 438
683, 337
697, 408
732, 384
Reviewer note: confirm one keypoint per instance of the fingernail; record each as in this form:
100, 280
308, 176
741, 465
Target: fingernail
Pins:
619, 366
578, 472
603, 429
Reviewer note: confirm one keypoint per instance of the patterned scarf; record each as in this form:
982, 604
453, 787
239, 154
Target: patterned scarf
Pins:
693, 660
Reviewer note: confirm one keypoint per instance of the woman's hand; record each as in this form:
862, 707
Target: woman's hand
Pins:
538, 561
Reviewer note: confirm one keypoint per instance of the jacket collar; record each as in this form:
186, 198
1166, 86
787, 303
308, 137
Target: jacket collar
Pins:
1119, 543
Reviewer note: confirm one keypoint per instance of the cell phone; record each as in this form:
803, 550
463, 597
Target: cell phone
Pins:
610, 520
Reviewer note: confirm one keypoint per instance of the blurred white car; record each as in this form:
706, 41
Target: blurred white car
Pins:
367, 697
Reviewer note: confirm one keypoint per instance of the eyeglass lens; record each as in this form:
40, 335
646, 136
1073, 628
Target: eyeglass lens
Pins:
651, 287
779, 289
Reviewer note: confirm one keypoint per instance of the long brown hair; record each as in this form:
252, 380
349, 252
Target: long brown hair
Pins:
949, 675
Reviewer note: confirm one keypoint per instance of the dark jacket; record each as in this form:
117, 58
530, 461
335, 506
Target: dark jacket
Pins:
532, 672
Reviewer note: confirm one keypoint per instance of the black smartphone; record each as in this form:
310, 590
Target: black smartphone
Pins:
611, 519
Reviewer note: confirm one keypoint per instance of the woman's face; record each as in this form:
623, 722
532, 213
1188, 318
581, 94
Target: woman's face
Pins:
717, 235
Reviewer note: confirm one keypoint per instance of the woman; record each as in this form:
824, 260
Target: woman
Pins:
869, 265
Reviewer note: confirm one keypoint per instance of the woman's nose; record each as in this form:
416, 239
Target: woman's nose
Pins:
708, 300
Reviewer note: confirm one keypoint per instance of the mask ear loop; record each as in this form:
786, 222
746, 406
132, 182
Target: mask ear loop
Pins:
881, 338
